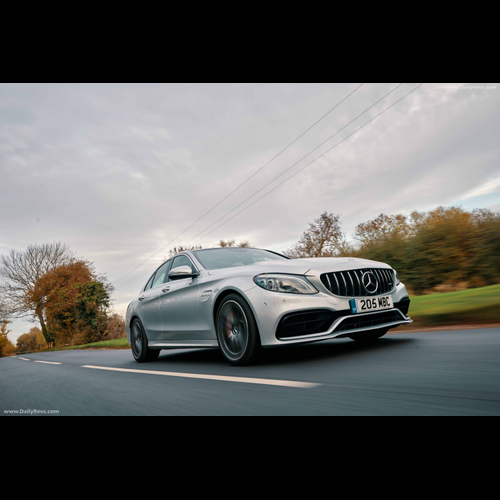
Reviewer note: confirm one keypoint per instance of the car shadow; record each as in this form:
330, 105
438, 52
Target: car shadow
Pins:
327, 350
283, 355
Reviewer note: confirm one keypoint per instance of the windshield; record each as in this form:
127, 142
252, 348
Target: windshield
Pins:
220, 258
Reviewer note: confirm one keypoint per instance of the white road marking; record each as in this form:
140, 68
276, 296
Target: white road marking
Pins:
48, 362
244, 380
24, 359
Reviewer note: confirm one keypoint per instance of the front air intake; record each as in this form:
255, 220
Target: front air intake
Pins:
307, 322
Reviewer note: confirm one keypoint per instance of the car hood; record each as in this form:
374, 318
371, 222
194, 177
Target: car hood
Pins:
311, 267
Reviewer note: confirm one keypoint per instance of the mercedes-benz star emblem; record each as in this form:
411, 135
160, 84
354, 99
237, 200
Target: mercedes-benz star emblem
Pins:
370, 282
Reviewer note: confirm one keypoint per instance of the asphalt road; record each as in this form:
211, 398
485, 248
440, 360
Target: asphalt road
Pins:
428, 373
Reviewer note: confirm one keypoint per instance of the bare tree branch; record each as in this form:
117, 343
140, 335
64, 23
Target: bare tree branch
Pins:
324, 238
20, 270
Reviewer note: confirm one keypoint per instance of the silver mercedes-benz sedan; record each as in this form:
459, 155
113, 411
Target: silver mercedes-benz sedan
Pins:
242, 299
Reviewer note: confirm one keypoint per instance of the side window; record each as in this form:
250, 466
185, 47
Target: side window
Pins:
161, 275
150, 283
182, 260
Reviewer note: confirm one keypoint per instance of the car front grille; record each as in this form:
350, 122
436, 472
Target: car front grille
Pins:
352, 283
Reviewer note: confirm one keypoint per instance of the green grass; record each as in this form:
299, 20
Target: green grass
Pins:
475, 306
105, 344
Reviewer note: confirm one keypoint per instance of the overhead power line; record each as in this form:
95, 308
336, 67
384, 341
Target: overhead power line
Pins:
243, 183
296, 163
298, 171
320, 156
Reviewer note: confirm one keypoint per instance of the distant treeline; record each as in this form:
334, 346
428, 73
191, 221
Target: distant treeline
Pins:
443, 250
446, 249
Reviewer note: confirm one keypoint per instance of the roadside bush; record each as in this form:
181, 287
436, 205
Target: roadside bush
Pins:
447, 249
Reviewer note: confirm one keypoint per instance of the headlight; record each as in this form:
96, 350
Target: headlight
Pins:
284, 283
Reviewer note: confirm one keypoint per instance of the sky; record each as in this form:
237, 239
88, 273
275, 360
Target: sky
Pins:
123, 172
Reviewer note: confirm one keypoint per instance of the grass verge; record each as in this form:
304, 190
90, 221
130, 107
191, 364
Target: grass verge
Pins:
467, 307
105, 344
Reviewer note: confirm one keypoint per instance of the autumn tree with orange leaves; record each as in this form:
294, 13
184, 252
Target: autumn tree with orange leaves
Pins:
74, 301
445, 249
6, 346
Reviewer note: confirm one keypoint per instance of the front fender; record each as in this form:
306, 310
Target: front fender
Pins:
213, 291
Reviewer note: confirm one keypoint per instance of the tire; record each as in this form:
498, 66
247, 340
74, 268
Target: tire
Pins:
369, 336
237, 331
139, 343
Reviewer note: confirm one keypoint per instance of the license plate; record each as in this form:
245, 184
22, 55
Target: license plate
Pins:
371, 304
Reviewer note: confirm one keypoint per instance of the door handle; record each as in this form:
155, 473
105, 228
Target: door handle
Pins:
165, 290
142, 298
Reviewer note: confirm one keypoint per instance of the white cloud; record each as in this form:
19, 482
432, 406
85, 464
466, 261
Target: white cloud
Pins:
489, 187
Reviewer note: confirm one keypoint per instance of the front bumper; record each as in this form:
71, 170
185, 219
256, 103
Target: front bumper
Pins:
325, 316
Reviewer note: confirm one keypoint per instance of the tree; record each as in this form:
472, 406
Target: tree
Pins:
21, 270
74, 302
222, 243
385, 238
27, 342
180, 248
115, 327
445, 249
232, 243
486, 245
442, 250
382, 229
40, 339
324, 238
5, 344
3, 311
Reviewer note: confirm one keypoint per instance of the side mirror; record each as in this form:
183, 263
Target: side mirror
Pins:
182, 272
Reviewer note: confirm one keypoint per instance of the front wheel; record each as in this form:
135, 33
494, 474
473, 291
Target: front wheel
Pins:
237, 331
139, 343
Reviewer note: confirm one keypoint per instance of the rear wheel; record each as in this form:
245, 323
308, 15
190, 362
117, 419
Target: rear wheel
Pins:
139, 343
367, 337
237, 331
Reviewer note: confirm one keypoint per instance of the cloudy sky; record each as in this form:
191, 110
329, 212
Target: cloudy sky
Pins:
118, 171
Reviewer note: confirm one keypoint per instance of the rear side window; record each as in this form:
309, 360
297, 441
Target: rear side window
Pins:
150, 283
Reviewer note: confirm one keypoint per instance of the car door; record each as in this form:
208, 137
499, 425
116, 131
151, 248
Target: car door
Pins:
149, 308
179, 305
